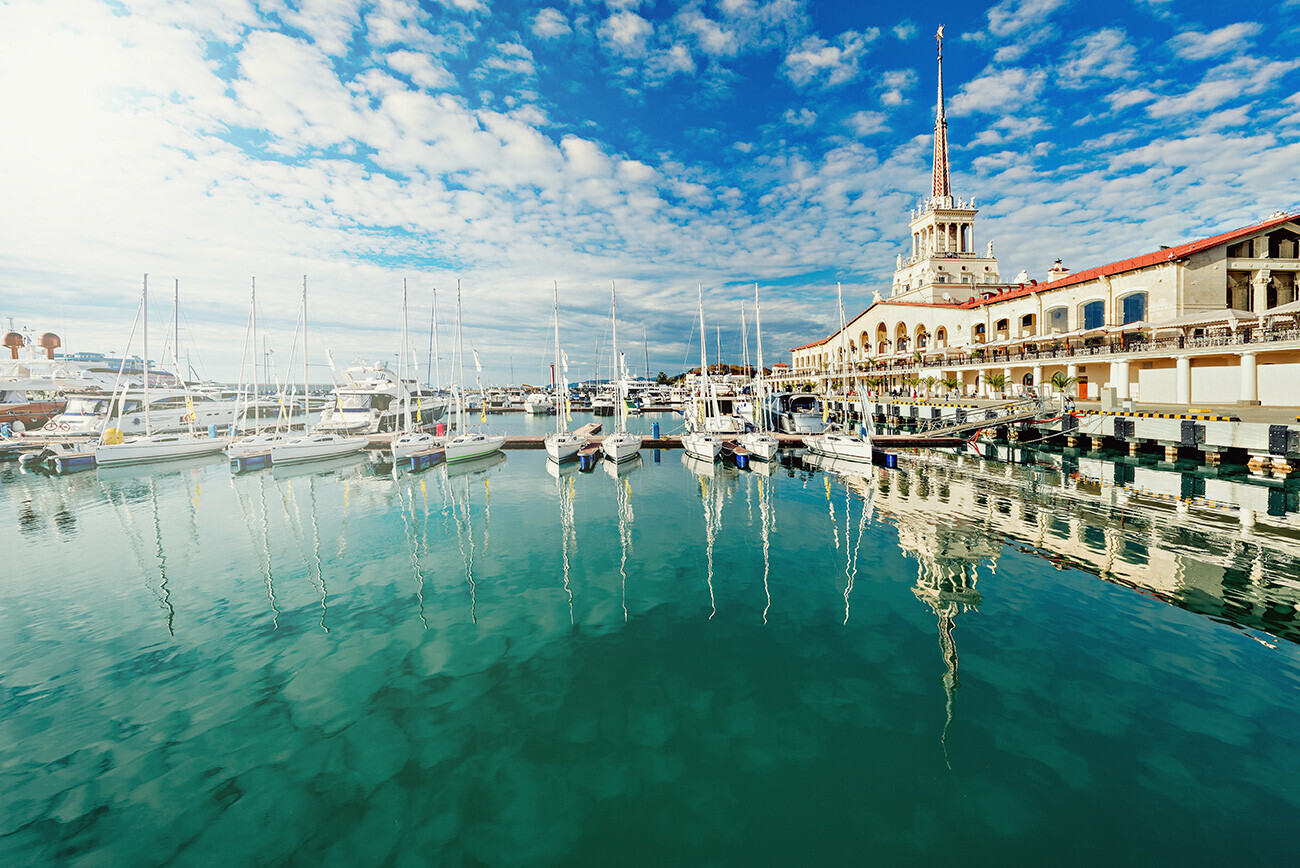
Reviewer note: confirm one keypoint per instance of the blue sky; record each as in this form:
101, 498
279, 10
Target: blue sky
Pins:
655, 144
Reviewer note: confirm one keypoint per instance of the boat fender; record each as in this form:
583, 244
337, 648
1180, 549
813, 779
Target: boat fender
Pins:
113, 436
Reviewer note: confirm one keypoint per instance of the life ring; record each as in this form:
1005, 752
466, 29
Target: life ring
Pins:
188, 417
63, 426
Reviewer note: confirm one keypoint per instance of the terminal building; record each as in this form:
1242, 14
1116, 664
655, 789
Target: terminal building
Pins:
1213, 321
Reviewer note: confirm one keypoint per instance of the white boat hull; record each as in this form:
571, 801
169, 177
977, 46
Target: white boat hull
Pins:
621, 447
406, 445
562, 447
850, 447
467, 447
157, 447
702, 446
314, 447
762, 446
254, 444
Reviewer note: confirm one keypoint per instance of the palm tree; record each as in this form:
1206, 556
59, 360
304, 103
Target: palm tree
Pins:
1061, 382
912, 382
950, 383
996, 381
929, 383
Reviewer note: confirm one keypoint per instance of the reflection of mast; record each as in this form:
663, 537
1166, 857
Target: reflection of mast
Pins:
262, 544
949, 589
315, 543
624, 489
768, 519
162, 560
413, 545
568, 530
133, 536
464, 534
712, 498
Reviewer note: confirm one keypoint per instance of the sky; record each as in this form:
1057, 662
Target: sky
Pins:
655, 146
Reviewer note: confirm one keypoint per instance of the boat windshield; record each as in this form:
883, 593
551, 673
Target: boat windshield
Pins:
83, 406
354, 401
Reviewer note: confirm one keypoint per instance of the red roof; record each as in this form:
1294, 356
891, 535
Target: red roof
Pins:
1144, 261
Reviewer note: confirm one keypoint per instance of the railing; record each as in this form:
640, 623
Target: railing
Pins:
1246, 339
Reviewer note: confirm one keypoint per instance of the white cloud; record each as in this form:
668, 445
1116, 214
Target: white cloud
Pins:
895, 84
1223, 84
816, 60
1106, 54
1010, 128
550, 23
510, 57
421, 69
867, 123
804, 117
712, 38
1000, 90
1011, 18
676, 59
626, 33
904, 30
1199, 45
1125, 97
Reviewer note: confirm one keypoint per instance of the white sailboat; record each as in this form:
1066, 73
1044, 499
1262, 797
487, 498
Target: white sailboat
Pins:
562, 445
410, 440
115, 450
619, 446
313, 445
760, 443
698, 441
840, 441
467, 445
257, 442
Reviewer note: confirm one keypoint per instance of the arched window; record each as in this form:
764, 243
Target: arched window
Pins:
1001, 325
979, 333
1133, 307
941, 337
1058, 319
1092, 314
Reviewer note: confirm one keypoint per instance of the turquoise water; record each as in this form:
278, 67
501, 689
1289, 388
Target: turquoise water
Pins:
496, 666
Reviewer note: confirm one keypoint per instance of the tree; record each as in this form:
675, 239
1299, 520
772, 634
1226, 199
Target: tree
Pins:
950, 383
662, 379
1061, 382
929, 383
996, 381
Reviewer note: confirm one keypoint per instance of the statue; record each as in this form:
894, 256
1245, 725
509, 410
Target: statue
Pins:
990, 255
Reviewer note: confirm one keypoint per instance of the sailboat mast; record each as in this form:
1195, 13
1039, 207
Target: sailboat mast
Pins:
257, 390
460, 382
619, 422
759, 384
147, 428
558, 379
402, 387
433, 345
176, 327
306, 414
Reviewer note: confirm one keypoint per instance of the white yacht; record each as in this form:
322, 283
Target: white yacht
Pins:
759, 442
794, 412
373, 398
563, 444
168, 410
538, 403
699, 442
468, 445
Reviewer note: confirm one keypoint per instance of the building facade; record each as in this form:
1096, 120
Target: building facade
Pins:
1215, 320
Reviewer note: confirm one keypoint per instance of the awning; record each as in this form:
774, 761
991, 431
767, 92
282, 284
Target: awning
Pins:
1291, 309
1230, 317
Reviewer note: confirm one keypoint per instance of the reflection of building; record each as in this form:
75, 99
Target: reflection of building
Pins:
1228, 305
955, 510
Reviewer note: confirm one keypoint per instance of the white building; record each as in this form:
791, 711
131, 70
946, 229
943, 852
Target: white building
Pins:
1212, 321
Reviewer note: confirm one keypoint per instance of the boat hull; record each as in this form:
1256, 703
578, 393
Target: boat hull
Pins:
166, 447
702, 446
406, 445
846, 446
621, 447
762, 446
472, 446
315, 448
564, 447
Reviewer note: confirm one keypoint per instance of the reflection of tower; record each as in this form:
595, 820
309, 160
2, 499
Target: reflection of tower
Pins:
947, 572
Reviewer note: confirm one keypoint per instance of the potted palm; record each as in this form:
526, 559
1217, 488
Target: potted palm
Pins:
997, 382
951, 384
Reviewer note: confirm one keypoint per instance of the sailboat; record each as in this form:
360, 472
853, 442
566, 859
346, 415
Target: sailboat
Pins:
242, 449
760, 443
312, 446
699, 442
562, 445
840, 441
466, 446
410, 440
114, 450
619, 446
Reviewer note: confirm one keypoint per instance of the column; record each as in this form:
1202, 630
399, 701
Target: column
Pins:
1038, 378
1259, 290
1007, 390
1119, 379
1249, 380
1184, 391
981, 388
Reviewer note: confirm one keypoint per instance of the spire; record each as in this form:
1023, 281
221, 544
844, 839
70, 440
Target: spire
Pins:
940, 189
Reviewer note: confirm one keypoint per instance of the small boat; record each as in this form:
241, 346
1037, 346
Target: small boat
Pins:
619, 446
538, 404
699, 442
759, 443
412, 439
562, 445
843, 443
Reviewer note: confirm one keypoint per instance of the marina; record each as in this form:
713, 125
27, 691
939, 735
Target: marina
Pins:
291, 659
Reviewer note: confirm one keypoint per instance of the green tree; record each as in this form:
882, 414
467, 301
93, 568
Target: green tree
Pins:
996, 381
1061, 382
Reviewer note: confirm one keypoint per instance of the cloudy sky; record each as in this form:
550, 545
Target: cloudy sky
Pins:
660, 145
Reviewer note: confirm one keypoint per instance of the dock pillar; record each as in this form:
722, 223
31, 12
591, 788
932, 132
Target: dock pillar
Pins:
1171, 454
1213, 459
1133, 446
1281, 468
1259, 465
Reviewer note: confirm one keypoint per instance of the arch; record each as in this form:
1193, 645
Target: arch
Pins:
979, 333
1002, 325
1056, 319
1092, 313
941, 337
1133, 307
864, 342
1028, 324
921, 337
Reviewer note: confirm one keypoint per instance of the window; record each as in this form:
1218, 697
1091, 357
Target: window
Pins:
1002, 325
1092, 314
1133, 307
1058, 319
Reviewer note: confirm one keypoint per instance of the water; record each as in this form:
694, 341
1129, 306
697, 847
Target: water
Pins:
498, 666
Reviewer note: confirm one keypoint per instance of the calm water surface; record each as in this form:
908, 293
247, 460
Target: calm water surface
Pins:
497, 665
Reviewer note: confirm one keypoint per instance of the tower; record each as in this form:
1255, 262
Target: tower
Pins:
943, 264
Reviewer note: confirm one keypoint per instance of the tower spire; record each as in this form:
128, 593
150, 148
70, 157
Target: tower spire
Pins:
940, 189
